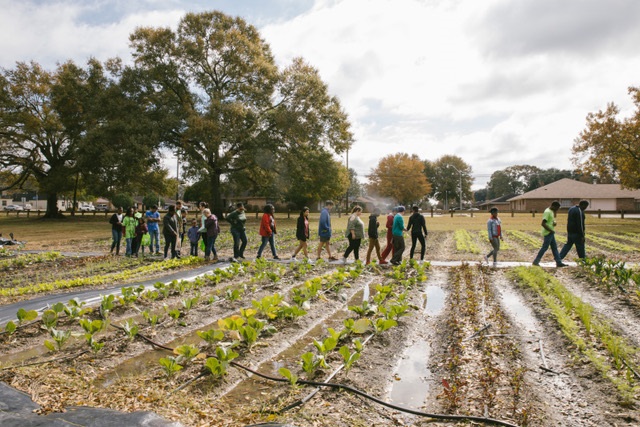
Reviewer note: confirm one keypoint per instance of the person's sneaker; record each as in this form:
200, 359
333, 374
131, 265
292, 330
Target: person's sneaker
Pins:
486, 259
495, 264
214, 259
562, 264
293, 258
383, 262
535, 263
344, 260
233, 260
276, 257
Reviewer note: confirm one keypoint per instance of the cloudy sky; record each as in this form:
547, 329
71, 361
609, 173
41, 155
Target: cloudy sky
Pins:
496, 82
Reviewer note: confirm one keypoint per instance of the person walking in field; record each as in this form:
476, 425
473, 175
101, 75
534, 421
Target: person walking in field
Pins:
194, 237
170, 232
494, 231
548, 235
398, 236
116, 230
418, 227
141, 231
153, 224
129, 223
213, 229
355, 234
575, 230
324, 230
268, 231
372, 232
388, 249
237, 219
302, 233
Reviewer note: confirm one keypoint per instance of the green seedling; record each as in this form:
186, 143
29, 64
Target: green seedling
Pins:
218, 365
290, 312
396, 311
10, 327
358, 345
348, 357
151, 318
232, 323
189, 303
92, 327
249, 334
128, 297
26, 316
170, 366
362, 310
248, 312
75, 308
49, 319
234, 294
59, 339
107, 304
268, 306
94, 345
186, 353
293, 379
150, 295
310, 363
130, 328
58, 307
357, 327
162, 289
212, 336
381, 325
174, 313
325, 346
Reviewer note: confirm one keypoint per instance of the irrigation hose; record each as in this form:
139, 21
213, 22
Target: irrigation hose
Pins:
381, 402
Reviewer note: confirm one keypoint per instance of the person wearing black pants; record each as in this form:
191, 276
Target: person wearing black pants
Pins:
418, 228
355, 234
170, 232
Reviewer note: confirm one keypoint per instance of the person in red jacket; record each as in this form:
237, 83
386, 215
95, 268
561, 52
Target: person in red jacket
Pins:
389, 248
268, 231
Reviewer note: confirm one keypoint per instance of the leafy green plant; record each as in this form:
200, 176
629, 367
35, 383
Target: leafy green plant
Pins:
357, 327
107, 304
218, 365
381, 325
310, 363
49, 319
151, 318
10, 327
212, 336
249, 334
186, 353
293, 379
234, 294
348, 357
362, 310
26, 316
170, 366
130, 328
189, 303
75, 308
268, 305
60, 337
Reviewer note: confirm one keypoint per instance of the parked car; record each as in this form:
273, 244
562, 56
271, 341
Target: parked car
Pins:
103, 207
86, 208
13, 208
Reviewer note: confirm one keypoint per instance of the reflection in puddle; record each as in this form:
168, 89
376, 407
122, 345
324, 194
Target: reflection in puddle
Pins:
435, 300
520, 312
411, 386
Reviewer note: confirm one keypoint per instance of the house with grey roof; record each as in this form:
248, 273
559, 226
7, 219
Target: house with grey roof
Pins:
605, 197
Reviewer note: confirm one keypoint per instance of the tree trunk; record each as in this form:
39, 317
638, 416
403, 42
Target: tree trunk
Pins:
52, 206
216, 197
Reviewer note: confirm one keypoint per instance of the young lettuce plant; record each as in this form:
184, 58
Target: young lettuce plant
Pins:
26, 316
59, 339
91, 328
293, 379
212, 336
348, 357
75, 308
170, 366
186, 353
130, 328
107, 304
381, 325
218, 365
49, 319
151, 318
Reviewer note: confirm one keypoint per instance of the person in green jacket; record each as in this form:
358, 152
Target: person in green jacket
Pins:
129, 223
237, 219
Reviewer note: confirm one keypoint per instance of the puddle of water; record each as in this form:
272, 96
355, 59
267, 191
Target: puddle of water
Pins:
521, 313
411, 386
435, 296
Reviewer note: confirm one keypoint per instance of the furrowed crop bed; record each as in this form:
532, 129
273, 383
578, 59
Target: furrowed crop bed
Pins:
251, 342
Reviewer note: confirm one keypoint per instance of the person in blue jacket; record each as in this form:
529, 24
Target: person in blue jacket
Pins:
324, 230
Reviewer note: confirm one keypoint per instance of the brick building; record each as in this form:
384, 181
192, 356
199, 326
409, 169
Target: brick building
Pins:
605, 197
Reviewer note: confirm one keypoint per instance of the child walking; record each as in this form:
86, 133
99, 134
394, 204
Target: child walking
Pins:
194, 237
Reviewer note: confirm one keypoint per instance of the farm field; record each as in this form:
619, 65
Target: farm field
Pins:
523, 345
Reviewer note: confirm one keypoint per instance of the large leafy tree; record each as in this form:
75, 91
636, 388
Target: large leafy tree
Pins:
229, 109
399, 177
449, 175
41, 125
74, 129
609, 146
